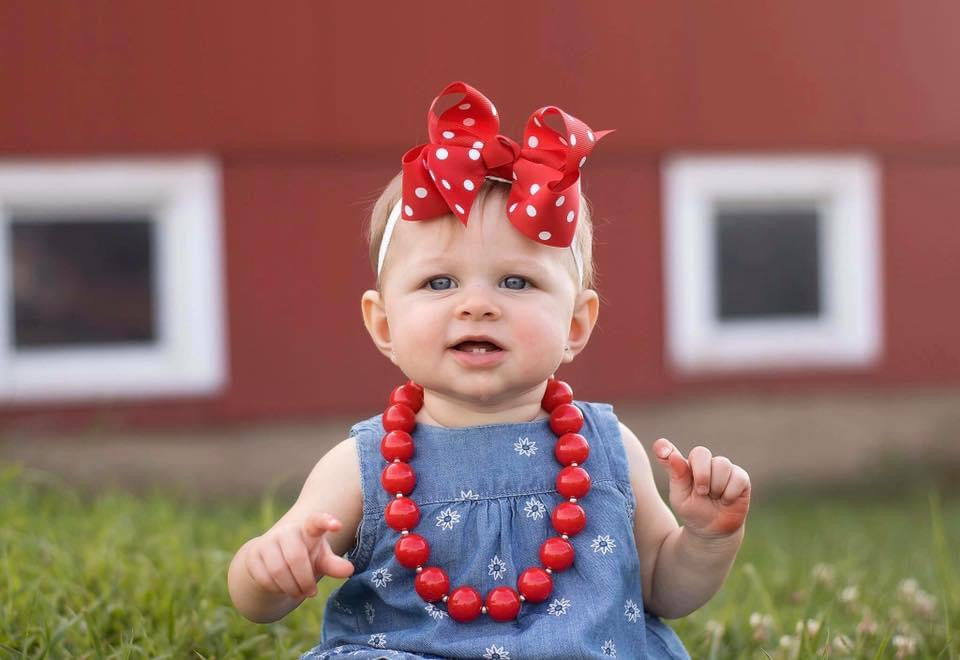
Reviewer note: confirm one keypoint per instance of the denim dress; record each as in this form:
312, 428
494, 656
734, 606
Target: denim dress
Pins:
486, 494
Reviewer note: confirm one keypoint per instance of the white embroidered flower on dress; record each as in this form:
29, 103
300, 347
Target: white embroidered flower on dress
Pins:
497, 653
340, 606
378, 641
525, 446
496, 567
368, 612
632, 611
603, 544
447, 518
558, 607
534, 508
469, 495
435, 612
380, 577
609, 648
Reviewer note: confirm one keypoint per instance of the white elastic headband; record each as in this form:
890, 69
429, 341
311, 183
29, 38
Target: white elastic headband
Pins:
395, 216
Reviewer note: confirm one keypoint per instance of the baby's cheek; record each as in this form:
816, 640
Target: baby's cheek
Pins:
538, 333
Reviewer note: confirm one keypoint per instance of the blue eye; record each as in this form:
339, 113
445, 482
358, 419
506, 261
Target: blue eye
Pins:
445, 283
514, 280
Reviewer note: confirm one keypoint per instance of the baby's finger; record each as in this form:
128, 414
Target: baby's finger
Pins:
738, 486
258, 571
672, 459
317, 523
700, 465
668, 456
294, 552
279, 571
329, 563
720, 475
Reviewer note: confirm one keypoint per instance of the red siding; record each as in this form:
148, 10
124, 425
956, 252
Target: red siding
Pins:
310, 109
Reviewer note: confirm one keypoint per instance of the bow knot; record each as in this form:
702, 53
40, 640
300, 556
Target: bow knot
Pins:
444, 176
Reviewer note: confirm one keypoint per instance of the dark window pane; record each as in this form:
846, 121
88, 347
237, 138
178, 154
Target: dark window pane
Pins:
768, 263
82, 282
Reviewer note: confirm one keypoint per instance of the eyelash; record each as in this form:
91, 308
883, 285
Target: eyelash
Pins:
444, 277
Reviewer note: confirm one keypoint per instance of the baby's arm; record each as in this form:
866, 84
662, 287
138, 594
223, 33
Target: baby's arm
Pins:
681, 568
273, 573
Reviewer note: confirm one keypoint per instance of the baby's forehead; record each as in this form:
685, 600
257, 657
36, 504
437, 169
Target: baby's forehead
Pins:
486, 239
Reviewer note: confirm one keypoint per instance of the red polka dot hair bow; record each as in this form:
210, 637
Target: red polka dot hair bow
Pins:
465, 147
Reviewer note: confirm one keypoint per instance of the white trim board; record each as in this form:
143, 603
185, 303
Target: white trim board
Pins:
181, 196
844, 190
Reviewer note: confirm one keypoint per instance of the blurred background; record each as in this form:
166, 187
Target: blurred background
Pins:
184, 189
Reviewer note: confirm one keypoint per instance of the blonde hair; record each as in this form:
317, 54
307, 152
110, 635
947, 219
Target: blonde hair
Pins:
582, 238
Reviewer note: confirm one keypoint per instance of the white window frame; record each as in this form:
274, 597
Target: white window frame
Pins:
844, 189
182, 198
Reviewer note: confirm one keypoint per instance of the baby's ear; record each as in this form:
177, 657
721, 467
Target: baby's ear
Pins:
586, 308
375, 320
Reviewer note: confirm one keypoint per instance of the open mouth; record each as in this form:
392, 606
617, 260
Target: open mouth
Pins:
476, 347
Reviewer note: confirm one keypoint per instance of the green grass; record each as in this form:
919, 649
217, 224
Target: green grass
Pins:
117, 575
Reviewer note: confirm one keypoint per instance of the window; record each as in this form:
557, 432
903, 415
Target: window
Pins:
771, 262
110, 274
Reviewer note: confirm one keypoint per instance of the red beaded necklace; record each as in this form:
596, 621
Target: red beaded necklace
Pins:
556, 553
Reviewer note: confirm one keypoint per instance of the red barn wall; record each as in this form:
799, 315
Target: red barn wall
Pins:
309, 109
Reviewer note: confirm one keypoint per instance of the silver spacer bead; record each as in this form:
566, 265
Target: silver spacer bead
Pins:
565, 537
523, 599
446, 598
574, 464
396, 460
405, 532
573, 499
549, 570
399, 495
484, 609
419, 569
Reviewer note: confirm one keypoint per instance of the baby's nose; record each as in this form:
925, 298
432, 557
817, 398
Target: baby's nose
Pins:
477, 302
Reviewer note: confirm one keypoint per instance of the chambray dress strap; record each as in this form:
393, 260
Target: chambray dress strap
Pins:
604, 425
367, 435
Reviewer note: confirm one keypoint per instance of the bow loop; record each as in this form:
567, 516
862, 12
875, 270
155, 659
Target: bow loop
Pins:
545, 201
473, 118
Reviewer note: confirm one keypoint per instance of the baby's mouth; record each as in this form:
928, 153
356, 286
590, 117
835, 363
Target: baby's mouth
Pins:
476, 347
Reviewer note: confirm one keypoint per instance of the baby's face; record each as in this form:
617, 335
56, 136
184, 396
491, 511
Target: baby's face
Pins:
444, 282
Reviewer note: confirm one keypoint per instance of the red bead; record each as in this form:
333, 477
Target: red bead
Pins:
400, 478
407, 395
417, 386
569, 518
464, 604
432, 583
571, 448
397, 444
402, 513
503, 604
566, 418
535, 584
571, 481
556, 553
557, 392
399, 416
412, 550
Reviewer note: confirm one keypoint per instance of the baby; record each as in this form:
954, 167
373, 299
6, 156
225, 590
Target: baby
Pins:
486, 513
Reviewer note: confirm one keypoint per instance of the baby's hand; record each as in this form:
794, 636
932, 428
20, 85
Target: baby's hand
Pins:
290, 558
709, 493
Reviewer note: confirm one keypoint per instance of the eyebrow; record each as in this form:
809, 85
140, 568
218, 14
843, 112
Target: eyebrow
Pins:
506, 264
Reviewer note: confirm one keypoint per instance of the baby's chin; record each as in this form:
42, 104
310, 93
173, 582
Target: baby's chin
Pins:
490, 395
